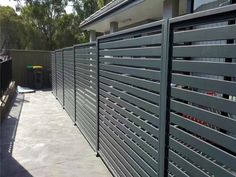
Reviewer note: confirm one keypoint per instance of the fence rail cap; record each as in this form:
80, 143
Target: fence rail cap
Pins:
85, 44
205, 13
67, 48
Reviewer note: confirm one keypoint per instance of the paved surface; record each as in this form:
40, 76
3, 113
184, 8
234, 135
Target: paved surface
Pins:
39, 139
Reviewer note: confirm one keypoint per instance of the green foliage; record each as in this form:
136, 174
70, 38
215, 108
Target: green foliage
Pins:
44, 24
102, 3
11, 28
68, 31
42, 15
85, 8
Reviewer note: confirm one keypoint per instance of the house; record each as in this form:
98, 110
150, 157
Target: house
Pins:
123, 14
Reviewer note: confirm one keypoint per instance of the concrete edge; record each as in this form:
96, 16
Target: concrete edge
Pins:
6, 100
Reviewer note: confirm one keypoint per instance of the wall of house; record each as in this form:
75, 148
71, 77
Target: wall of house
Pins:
23, 58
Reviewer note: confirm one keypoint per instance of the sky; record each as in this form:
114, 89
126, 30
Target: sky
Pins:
13, 4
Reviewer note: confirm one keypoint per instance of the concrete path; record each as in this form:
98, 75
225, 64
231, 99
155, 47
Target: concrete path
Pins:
39, 139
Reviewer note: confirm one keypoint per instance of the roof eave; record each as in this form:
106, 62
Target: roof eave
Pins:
84, 25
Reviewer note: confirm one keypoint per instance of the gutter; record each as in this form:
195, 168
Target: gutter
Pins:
106, 13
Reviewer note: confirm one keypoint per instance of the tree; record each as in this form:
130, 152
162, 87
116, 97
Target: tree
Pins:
67, 31
85, 8
12, 30
102, 3
45, 24
42, 15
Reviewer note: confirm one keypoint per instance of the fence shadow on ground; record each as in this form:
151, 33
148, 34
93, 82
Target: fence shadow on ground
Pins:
9, 166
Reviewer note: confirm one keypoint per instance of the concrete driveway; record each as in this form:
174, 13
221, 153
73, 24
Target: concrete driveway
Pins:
39, 139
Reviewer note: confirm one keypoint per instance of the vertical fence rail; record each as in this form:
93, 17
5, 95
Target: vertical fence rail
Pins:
97, 99
63, 80
1, 80
164, 100
74, 84
146, 110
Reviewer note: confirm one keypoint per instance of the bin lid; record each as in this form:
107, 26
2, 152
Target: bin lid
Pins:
29, 67
37, 67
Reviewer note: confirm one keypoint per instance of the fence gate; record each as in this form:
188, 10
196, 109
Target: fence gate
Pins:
69, 90
129, 100
59, 74
202, 139
85, 62
54, 80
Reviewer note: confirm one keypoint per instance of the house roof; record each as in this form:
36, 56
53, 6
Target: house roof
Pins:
126, 13
104, 11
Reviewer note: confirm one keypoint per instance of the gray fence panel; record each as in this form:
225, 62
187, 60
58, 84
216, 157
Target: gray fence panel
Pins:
85, 73
202, 125
53, 74
60, 77
129, 100
158, 99
69, 91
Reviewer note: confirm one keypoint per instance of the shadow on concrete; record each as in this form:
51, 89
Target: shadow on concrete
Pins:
9, 166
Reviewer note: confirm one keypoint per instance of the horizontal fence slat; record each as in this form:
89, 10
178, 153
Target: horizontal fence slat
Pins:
205, 100
214, 68
138, 140
186, 165
123, 152
221, 86
215, 119
136, 52
141, 83
199, 159
145, 95
142, 113
212, 135
122, 114
210, 51
131, 99
129, 148
206, 34
143, 73
206, 147
133, 42
177, 171
120, 160
144, 63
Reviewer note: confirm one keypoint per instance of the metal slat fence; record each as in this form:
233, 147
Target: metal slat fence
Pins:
69, 91
150, 104
129, 99
59, 76
202, 122
86, 86
54, 73
5, 75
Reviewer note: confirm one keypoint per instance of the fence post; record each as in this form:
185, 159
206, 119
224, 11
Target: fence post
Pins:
55, 63
97, 113
165, 98
74, 84
1, 80
63, 87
